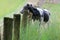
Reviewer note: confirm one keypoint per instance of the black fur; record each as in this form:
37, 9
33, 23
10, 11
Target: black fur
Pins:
46, 16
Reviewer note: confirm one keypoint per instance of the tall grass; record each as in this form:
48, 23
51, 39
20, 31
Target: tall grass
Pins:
9, 6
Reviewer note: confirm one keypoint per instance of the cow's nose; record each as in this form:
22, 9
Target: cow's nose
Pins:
21, 12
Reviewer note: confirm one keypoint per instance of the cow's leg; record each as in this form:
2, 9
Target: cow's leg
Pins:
44, 25
41, 21
48, 23
33, 19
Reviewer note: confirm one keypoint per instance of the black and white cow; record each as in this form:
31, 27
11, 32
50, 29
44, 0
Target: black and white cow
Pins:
37, 13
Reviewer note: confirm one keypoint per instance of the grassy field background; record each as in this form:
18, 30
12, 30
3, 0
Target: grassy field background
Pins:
9, 6
51, 33
31, 33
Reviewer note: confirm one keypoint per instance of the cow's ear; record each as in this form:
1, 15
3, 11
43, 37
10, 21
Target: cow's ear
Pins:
31, 5
27, 4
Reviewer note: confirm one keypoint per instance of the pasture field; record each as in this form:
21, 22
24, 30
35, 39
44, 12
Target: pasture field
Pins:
9, 6
50, 33
34, 31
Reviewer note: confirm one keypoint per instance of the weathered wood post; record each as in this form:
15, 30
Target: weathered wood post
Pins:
8, 24
16, 26
24, 19
24, 24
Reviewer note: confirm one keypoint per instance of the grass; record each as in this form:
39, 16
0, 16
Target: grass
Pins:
9, 6
51, 33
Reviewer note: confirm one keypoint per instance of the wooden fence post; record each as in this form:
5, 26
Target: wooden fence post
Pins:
17, 18
25, 18
24, 24
8, 24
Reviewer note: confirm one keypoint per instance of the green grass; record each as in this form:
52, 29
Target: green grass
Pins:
51, 33
9, 6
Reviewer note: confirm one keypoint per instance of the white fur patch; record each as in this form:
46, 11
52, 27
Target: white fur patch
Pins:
47, 11
40, 10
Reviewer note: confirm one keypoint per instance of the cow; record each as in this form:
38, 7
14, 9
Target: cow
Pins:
42, 15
